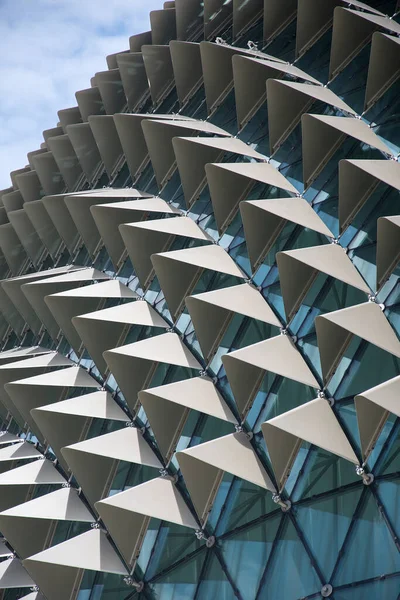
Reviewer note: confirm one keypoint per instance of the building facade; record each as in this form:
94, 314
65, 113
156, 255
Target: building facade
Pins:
199, 315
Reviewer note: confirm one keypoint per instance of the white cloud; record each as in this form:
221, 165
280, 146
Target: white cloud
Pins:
50, 49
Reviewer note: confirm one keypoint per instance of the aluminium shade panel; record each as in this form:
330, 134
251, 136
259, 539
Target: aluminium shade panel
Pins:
264, 220
30, 155
108, 328
288, 100
108, 218
230, 183
130, 132
31, 526
107, 140
28, 367
94, 461
388, 248
160, 74
134, 79
313, 422
249, 78
383, 68
111, 91
18, 452
26, 232
111, 59
49, 173
373, 408
179, 271
80, 209
3, 216
54, 132
211, 313
36, 292
277, 16
40, 390
335, 330
245, 14
90, 102
187, 67
352, 30
12, 201
134, 365
19, 484
7, 438
167, 408
323, 135
159, 134
193, 153
85, 147
67, 561
163, 26
188, 14
298, 270
69, 116
217, 15
71, 303
29, 186
13, 575
68, 421
218, 72
43, 226
12, 249
358, 179
140, 39
66, 159
6, 191
14, 175
12, 287
203, 466
216, 369
146, 238
128, 513
245, 368
314, 18
62, 220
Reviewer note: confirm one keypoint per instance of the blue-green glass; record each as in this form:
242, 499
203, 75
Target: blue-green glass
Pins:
325, 523
370, 550
299, 577
323, 472
246, 554
214, 581
181, 582
383, 589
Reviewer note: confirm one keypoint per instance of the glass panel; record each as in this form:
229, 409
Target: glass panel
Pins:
214, 583
323, 472
325, 523
385, 589
299, 577
181, 582
247, 552
370, 551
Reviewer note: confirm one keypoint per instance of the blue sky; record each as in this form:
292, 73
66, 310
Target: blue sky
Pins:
50, 49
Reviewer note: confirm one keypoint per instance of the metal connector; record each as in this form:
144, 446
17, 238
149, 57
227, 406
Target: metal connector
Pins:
284, 504
166, 475
138, 585
326, 590
210, 541
367, 478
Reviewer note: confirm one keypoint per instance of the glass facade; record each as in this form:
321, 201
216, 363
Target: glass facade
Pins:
307, 507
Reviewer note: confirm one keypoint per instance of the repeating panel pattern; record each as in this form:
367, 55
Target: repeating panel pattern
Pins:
199, 300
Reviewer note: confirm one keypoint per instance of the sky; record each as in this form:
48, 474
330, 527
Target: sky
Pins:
50, 49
